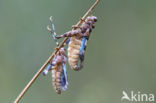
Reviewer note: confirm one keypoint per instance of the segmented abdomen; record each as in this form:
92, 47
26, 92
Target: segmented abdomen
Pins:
59, 78
74, 53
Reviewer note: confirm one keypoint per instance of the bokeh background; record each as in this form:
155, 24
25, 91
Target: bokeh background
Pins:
121, 52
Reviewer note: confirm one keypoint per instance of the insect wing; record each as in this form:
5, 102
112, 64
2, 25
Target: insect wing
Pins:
83, 45
64, 79
47, 69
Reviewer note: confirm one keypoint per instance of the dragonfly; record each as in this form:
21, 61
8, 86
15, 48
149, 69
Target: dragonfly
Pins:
77, 42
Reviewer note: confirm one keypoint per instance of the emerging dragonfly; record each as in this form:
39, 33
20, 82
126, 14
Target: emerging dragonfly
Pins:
57, 66
78, 41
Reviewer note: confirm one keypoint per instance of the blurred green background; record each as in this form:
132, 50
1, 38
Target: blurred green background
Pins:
121, 52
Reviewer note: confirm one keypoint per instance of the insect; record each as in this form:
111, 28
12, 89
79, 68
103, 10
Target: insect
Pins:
58, 67
78, 42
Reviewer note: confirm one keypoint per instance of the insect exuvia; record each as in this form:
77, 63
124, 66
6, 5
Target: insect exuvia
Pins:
78, 41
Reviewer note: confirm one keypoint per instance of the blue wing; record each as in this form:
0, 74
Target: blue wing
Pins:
84, 39
46, 70
64, 80
83, 45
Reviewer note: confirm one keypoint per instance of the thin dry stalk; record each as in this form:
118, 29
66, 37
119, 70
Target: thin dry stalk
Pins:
52, 56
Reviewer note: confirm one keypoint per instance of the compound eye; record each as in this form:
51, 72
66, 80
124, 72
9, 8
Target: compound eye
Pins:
95, 19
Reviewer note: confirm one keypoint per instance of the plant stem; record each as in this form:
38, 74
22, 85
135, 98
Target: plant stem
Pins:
52, 56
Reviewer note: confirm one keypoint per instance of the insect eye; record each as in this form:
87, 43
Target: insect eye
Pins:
95, 19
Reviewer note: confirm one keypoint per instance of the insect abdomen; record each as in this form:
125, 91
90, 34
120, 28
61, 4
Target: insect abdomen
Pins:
56, 74
59, 78
74, 52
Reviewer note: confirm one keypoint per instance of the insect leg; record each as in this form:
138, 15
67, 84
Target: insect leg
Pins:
69, 34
